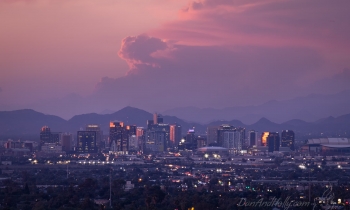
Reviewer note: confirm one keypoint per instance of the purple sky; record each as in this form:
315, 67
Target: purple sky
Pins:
88, 56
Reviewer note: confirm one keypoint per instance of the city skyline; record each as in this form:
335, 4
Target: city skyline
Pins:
79, 55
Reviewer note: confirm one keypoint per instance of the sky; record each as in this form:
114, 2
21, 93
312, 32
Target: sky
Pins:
72, 57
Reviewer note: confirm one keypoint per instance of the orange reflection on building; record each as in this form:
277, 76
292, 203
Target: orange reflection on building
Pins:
264, 138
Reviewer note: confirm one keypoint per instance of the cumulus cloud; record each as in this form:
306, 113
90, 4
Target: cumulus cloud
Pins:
206, 75
223, 53
137, 51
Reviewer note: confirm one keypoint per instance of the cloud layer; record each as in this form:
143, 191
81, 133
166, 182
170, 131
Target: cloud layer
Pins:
226, 53
216, 53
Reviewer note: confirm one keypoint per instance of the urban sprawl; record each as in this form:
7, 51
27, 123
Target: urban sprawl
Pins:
161, 166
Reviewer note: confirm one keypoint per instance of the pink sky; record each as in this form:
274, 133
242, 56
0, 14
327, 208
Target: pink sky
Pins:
131, 52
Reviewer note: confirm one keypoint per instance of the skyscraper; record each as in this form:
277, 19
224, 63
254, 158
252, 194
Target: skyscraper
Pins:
46, 136
288, 139
99, 134
212, 134
273, 141
240, 135
131, 129
155, 141
157, 118
161, 131
220, 133
86, 142
175, 134
119, 135
253, 138
191, 137
201, 141
229, 140
263, 141
67, 142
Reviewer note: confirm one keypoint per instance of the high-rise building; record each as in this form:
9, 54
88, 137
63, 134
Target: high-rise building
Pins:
288, 139
67, 142
155, 141
141, 134
233, 140
212, 134
131, 129
45, 135
99, 134
201, 141
273, 141
220, 133
263, 141
133, 143
175, 134
157, 118
119, 135
240, 135
253, 138
140, 131
48, 137
150, 124
191, 137
229, 140
86, 142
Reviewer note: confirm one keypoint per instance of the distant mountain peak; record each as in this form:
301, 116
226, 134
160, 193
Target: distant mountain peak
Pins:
264, 120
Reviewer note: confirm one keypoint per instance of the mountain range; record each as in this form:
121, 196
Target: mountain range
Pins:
309, 108
26, 124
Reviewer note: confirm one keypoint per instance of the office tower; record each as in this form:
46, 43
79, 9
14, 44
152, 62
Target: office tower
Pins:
55, 138
273, 141
175, 134
157, 125
119, 135
46, 136
263, 141
150, 124
253, 138
240, 135
191, 137
99, 134
288, 139
201, 141
220, 133
140, 131
133, 143
157, 118
166, 129
86, 142
155, 141
67, 142
229, 140
131, 130
212, 134
140, 134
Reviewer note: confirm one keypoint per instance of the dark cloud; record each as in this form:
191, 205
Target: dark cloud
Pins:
138, 50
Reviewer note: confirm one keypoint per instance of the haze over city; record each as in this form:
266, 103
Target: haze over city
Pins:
74, 57
174, 104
